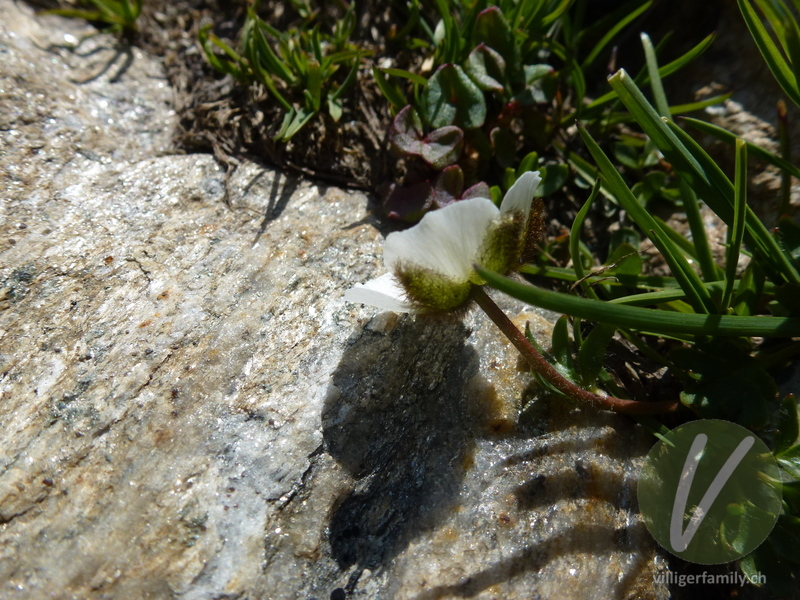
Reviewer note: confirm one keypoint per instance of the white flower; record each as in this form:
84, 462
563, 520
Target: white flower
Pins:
431, 264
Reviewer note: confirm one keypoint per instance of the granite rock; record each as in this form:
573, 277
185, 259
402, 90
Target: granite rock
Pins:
189, 409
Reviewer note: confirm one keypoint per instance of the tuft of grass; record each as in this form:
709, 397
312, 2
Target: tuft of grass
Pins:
117, 15
300, 68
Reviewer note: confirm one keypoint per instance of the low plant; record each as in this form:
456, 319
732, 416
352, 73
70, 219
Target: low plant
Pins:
116, 15
731, 329
299, 67
507, 82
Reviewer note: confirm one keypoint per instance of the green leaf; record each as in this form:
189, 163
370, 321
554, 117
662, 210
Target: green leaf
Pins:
556, 12
451, 98
553, 179
788, 235
261, 55
626, 260
765, 565
334, 109
561, 350
313, 90
791, 496
487, 68
440, 148
443, 146
592, 352
229, 67
789, 460
492, 28
751, 289
294, 124
627, 155
348, 82
529, 163
643, 319
788, 425
389, 91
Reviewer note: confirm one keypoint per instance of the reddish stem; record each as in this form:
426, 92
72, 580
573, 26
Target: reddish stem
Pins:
546, 371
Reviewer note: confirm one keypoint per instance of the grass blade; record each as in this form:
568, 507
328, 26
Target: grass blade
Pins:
678, 109
771, 53
752, 150
418, 79
736, 232
612, 33
691, 206
757, 236
683, 272
559, 10
392, 94
659, 96
702, 173
575, 241
643, 319
665, 71
348, 82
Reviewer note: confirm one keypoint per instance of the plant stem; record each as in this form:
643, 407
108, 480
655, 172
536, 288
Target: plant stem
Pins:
546, 371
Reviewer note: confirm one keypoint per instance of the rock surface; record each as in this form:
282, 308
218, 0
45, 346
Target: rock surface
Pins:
189, 409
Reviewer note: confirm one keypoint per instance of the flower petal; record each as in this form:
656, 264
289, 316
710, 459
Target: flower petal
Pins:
447, 240
520, 195
384, 293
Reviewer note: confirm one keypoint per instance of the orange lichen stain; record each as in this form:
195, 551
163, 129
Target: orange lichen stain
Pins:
497, 413
496, 589
447, 535
163, 295
146, 323
108, 260
161, 437
499, 418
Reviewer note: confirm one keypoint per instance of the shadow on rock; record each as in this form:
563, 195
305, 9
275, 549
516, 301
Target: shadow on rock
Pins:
400, 422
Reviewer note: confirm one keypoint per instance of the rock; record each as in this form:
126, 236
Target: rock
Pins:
190, 409
734, 64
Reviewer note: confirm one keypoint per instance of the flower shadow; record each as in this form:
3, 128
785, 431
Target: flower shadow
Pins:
410, 417
400, 423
